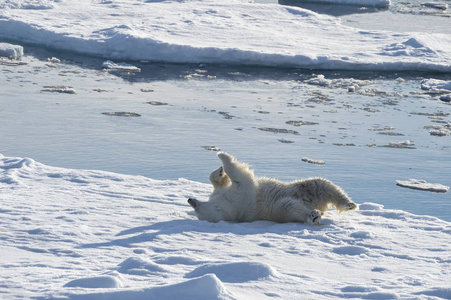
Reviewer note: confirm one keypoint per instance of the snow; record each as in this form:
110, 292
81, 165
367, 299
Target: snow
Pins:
423, 185
225, 31
85, 234
11, 51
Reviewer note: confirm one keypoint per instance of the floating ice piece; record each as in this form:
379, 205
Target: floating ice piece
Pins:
404, 144
211, 148
416, 184
440, 132
349, 83
312, 161
300, 123
443, 6
120, 66
11, 51
446, 98
54, 60
64, 89
121, 114
435, 85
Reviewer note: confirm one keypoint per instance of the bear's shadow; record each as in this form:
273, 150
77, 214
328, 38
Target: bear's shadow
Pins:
141, 234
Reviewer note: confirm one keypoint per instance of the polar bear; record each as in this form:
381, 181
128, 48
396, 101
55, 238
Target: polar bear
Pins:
240, 196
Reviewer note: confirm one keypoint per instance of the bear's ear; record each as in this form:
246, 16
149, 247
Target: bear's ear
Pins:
193, 202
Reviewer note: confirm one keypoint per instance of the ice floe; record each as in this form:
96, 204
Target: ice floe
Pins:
120, 66
436, 85
226, 31
85, 234
313, 161
417, 184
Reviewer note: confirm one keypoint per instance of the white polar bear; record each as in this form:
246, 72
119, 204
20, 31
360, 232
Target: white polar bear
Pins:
239, 196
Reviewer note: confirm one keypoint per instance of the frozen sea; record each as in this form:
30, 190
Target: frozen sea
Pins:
110, 120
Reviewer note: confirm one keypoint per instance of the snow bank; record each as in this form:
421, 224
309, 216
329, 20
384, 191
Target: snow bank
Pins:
83, 234
11, 51
423, 185
226, 31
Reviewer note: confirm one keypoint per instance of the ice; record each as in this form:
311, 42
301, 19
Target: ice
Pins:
120, 66
11, 51
423, 185
446, 98
85, 234
442, 6
436, 85
440, 132
226, 31
361, 3
349, 83
313, 161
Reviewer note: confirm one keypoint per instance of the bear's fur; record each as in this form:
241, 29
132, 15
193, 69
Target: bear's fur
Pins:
241, 197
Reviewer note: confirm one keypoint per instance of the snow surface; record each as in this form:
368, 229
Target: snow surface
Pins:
219, 31
83, 234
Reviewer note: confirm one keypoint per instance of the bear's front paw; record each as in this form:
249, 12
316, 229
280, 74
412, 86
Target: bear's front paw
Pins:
225, 156
349, 207
314, 218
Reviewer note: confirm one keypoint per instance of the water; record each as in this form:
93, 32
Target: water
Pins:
401, 16
226, 107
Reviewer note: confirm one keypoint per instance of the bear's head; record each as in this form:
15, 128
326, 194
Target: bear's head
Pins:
219, 178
